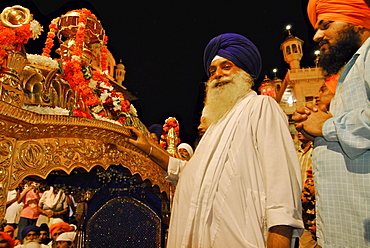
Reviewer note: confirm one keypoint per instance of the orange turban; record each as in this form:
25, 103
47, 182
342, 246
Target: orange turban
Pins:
8, 228
8, 239
64, 226
331, 82
351, 11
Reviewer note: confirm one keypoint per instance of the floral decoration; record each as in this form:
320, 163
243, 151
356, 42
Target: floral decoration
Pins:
53, 28
92, 86
11, 38
171, 122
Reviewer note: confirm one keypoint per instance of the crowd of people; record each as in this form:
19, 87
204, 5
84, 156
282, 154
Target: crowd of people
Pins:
212, 204
244, 185
38, 215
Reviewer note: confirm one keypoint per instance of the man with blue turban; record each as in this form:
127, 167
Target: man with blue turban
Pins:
242, 186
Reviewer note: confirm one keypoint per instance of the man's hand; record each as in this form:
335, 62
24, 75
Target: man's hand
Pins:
315, 122
142, 142
302, 113
279, 237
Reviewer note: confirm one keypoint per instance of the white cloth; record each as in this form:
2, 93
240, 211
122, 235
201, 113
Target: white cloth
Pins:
50, 200
14, 210
243, 178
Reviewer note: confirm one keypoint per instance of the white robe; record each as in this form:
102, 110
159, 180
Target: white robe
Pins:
243, 178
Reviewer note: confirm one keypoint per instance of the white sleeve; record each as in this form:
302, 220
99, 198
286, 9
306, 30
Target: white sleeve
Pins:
175, 167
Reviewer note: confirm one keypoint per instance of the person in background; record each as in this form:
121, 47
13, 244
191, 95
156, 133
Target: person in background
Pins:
29, 234
341, 156
185, 151
156, 130
8, 229
240, 189
6, 241
13, 208
66, 240
52, 205
308, 239
44, 237
30, 197
56, 230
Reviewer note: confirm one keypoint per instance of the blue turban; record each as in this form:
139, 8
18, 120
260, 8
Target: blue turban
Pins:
28, 229
236, 48
157, 129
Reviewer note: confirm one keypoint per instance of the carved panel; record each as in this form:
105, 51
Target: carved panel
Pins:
47, 142
6, 153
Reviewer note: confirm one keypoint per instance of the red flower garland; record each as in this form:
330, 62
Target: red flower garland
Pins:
10, 38
49, 43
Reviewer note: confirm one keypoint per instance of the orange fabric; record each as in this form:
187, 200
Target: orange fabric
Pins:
6, 237
331, 82
59, 226
8, 228
351, 11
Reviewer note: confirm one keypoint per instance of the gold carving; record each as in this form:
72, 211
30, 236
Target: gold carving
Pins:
6, 151
15, 16
31, 155
49, 142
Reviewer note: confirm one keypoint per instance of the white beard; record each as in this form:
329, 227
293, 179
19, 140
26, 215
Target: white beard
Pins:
223, 93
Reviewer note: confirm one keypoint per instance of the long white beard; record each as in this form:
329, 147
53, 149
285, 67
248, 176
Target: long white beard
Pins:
223, 93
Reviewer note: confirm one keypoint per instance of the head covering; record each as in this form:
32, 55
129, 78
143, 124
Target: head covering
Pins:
309, 174
6, 237
56, 220
186, 147
73, 226
64, 226
236, 48
157, 129
351, 11
67, 236
8, 228
331, 82
31, 228
44, 227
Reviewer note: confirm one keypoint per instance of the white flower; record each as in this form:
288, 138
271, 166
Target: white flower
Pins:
93, 84
102, 118
76, 58
46, 110
35, 59
133, 110
104, 95
97, 109
36, 29
104, 86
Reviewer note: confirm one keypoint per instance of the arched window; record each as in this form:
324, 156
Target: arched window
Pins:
295, 50
287, 49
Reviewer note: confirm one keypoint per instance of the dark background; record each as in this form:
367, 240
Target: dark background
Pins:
161, 44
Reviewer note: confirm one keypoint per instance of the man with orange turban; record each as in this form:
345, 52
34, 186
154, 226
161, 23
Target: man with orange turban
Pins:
6, 241
341, 156
56, 230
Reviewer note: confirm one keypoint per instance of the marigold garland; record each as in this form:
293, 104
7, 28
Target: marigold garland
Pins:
10, 38
49, 43
92, 86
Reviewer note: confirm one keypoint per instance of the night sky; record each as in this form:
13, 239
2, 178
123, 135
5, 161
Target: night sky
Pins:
161, 44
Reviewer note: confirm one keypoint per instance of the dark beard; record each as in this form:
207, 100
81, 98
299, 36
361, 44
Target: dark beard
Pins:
341, 52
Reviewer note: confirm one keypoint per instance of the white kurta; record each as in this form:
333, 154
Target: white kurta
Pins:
243, 178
